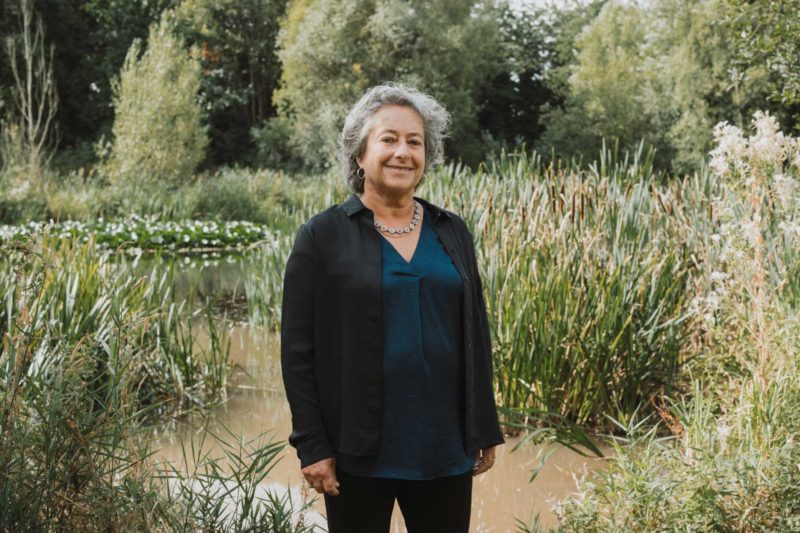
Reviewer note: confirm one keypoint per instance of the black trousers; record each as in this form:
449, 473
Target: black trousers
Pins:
364, 504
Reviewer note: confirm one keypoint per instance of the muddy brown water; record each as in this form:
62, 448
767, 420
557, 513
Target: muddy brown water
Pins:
257, 403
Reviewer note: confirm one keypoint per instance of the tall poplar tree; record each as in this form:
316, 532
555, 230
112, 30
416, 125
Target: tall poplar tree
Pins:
158, 124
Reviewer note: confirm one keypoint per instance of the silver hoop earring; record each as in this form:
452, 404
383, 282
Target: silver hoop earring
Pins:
360, 173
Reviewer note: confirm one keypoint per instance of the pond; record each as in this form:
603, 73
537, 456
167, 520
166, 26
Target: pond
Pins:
256, 403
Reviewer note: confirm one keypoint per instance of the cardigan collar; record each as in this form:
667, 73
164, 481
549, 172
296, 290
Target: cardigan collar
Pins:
353, 205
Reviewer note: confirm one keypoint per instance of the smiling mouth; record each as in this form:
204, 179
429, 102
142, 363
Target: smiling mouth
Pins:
399, 168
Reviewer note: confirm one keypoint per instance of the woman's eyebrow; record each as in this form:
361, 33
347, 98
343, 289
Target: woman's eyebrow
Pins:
394, 132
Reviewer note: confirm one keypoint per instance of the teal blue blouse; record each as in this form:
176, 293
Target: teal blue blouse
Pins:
422, 419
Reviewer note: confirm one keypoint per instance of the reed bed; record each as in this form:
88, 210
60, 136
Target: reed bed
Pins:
75, 456
263, 282
59, 294
229, 492
90, 354
723, 458
588, 275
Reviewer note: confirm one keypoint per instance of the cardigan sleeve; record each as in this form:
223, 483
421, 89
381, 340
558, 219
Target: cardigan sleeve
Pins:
297, 353
481, 305
484, 331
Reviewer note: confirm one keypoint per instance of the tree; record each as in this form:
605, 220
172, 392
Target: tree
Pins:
29, 139
766, 35
511, 103
90, 39
333, 50
657, 71
158, 131
606, 83
237, 40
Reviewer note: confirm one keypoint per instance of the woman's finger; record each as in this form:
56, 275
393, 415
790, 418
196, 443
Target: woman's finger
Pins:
331, 486
489, 458
485, 461
482, 467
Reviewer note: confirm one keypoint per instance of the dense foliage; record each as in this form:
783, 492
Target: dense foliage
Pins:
658, 72
237, 49
340, 48
278, 75
730, 460
767, 37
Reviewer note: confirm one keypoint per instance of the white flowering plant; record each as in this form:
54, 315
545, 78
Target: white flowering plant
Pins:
142, 234
758, 211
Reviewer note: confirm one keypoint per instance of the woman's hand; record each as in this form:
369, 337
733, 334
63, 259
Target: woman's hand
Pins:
484, 460
322, 476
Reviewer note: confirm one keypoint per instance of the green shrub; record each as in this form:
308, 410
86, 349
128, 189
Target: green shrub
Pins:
230, 194
20, 187
730, 463
273, 142
16, 210
264, 196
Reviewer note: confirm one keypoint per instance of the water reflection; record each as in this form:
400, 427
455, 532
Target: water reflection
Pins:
210, 275
256, 403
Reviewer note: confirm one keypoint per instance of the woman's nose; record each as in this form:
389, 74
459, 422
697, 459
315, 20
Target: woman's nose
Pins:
402, 150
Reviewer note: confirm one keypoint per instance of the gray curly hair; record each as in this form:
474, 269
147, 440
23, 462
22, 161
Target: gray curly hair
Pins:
357, 126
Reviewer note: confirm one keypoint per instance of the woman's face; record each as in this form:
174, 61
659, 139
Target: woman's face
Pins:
394, 158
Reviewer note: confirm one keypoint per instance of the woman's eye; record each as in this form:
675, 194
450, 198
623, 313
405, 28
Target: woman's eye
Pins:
387, 140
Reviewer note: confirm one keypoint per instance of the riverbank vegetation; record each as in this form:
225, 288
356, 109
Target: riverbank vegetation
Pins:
91, 356
642, 276
730, 458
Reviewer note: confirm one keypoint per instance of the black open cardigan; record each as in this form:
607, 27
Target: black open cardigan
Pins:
331, 334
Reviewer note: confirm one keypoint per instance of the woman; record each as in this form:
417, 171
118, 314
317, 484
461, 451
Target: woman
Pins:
385, 343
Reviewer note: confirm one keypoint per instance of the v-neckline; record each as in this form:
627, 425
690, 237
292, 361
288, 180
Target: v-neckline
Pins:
416, 247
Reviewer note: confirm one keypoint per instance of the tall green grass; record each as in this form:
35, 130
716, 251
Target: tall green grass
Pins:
74, 456
587, 277
263, 282
90, 353
728, 461
228, 492
69, 458
62, 294
724, 455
